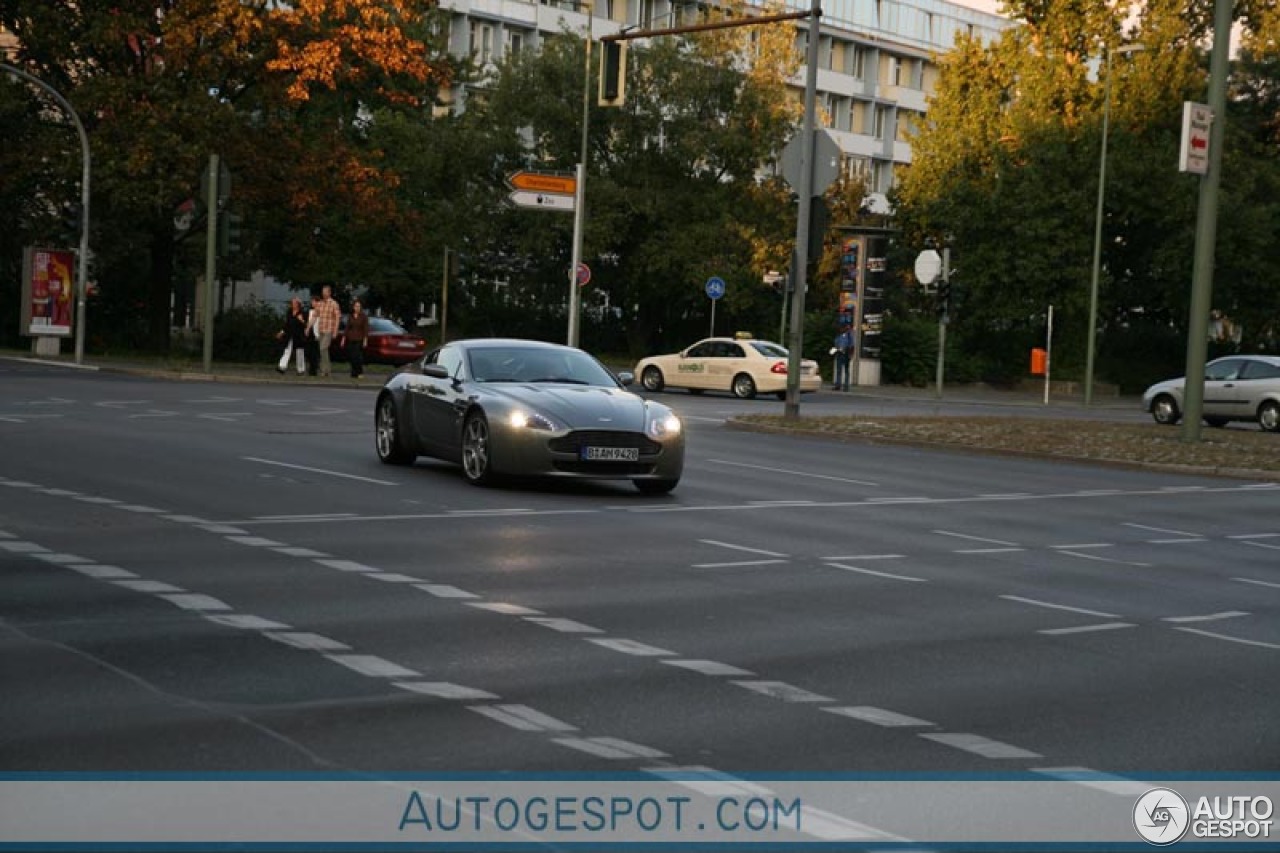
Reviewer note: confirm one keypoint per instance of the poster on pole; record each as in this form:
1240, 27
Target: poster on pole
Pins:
48, 292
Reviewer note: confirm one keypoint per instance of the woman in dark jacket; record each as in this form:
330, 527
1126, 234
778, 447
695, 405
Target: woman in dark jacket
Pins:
294, 334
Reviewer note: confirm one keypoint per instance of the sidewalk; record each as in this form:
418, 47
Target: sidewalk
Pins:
984, 395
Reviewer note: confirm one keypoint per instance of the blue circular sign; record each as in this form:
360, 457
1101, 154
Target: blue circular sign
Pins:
715, 287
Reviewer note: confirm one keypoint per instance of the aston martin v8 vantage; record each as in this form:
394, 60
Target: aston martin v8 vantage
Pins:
505, 407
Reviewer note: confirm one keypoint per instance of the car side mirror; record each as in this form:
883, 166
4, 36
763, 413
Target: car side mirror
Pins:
435, 371
626, 377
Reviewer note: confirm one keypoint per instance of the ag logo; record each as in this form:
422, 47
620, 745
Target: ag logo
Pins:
1161, 816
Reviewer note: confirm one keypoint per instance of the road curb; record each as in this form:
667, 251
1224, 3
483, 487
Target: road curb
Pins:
739, 425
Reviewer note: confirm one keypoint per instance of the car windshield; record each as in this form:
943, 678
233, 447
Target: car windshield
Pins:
769, 349
537, 364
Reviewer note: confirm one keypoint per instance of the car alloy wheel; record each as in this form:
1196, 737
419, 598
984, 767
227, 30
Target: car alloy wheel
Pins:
652, 379
744, 387
476, 461
386, 435
1269, 416
1165, 410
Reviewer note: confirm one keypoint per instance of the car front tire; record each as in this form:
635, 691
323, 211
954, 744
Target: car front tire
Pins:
477, 460
388, 434
743, 387
1164, 409
652, 379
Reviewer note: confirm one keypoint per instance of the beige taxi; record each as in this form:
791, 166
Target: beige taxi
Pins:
742, 366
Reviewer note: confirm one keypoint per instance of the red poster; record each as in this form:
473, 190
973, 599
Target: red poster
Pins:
52, 290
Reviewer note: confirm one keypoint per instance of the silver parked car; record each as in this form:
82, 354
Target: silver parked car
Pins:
527, 408
1236, 388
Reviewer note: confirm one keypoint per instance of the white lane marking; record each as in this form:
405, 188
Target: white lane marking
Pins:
444, 690
1096, 558
291, 551
140, 508
196, 601
523, 718
347, 566
316, 515
61, 559
609, 747
564, 626
90, 499
899, 500
440, 590
392, 577
1086, 629
106, 573
186, 519
154, 413
60, 493
223, 529
149, 586
1093, 493
630, 647
307, 641
878, 716
733, 547
782, 690
1254, 536
226, 417
504, 608
710, 667
120, 404
839, 557
1257, 582
1178, 541
873, 573
213, 400
255, 541
4, 534
1007, 495
513, 510
425, 516
738, 564
987, 550
975, 538
23, 548
1082, 546
19, 484
1240, 640
373, 666
781, 503
1263, 545
1184, 488
793, 472
979, 745
1037, 603
1208, 617
317, 470
1162, 530
1107, 782
246, 622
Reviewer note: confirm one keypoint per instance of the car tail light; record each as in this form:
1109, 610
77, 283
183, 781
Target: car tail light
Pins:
779, 367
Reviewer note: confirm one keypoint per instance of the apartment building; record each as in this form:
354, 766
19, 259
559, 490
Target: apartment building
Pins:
875, 74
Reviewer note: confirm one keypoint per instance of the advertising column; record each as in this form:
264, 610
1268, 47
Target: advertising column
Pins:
870, 310
47, 296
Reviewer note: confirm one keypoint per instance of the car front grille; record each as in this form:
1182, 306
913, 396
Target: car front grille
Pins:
575, 441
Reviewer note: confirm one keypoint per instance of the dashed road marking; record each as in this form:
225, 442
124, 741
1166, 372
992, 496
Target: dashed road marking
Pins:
373, 666
523, 718
445, 690
91, 499
504, 608
733, 547
976, 538
872, 572
782, 690
148, 586
23, 548
1037, 603
60, 559
308, 468
610, 747
222, 529
1255, 536
440, 590
196, 601
307, 641
141, 509
1086, 629
879, 716
246, 622
393, 577
979, 745
1083, 546
347, 566
1230, 639
564, 626
1178, 541
290, 551
1256, 582
792, 473
630, 647
841, 557
255, 541
101, 572
1083, 556
1208, 617
739, 564
1262, 545
988, 550
1182, 533
710, 667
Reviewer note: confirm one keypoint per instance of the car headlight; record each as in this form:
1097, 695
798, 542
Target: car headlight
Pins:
665, 425
530, 420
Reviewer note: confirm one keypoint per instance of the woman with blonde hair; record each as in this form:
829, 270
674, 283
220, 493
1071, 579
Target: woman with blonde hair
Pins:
294, 334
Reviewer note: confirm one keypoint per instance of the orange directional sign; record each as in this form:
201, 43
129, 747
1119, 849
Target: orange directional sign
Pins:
543, 182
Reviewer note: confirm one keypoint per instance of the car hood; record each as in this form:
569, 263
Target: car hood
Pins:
576, 406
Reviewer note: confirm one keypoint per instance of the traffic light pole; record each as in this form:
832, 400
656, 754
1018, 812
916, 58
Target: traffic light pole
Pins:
944, 318
210, 260
580, 191
82, 268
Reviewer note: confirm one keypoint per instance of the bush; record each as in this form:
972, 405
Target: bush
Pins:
908, 351
248, 333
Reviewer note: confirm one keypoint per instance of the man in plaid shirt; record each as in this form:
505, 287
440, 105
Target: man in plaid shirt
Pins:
327, 316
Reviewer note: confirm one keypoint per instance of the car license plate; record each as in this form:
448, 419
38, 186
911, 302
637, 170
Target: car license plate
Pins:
611, 454
406, 344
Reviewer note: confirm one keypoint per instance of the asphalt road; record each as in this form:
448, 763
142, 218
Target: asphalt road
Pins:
223, 577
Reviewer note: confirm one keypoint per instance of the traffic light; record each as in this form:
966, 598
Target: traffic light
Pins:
613, 74
229, 234
944, 298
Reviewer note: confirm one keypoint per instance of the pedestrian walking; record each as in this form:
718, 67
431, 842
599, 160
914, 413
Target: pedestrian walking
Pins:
328, 316
357, 336
294, 335
311, 341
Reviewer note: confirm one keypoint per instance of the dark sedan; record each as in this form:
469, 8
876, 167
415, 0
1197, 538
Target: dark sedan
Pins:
526, 408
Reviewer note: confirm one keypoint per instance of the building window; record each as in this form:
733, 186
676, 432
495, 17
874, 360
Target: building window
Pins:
895, 71
515, 43
856, 168
481, 47
881, 119
858, 63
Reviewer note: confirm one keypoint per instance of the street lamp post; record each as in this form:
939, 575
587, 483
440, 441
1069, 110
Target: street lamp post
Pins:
580, 190
1097, 225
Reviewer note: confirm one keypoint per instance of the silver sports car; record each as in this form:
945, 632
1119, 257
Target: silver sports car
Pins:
527, 408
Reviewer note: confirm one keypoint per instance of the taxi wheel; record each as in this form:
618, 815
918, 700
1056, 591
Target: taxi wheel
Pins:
651, 379
744, 387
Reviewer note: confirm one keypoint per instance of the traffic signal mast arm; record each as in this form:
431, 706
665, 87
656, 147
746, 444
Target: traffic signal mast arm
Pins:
715, 25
